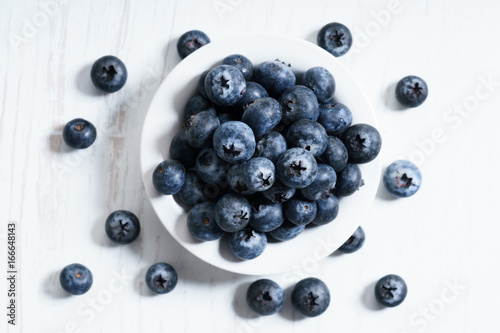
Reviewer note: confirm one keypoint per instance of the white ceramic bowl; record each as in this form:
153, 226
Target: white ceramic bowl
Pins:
164, 120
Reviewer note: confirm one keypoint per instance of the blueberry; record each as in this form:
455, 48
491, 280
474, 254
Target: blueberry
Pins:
323, 185
287, 231
237, 180
254, 91
108, 74
182, 151
309, 135
355, 242
265, 297
225, 117
192, 192
200, 87
402, 178
335, 118
195, 105
258, 174
363, 143
335, 154
241, 62
201, 222
411, 91
161, 278
349, 180
232, 212
262, 115
122, 227
274, 76
266, 215
247, 243
271, 146
300, 211
296, 168
225, 85
76, 279
200, 128
191, 41
210, 168
234, 142
279, 192
299, 102
335, 38
79, 133
169, 176
310, 297
390, 290
328, 209
321, 82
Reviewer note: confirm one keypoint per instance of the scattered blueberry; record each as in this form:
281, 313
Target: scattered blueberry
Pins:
335, 38
411, 91
241, 62
310, 297
234, 142
321, 82
355, 242
265, 297
76, 279
299, 102
161, 278
328, 209
200, 128
323, 185
225, 85
262, 115
169, 176
402, 178
363, 143
296, 168
309, 135
247, 244
232, 212
191, 41
274, 76
335, 154
349, 180
287, 231
201, 222
335, 118
79, 133
122, 227
391, 290
108, 74
300, 211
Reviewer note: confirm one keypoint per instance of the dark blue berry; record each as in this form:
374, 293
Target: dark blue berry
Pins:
300, 211
79, 133
335, 118
161, 278
200, 128
328, 209
363, 143
279, 192
191, 41
247, 244
321, 82
411, 91
274, 76
355, 242
296, 168
232, 212
169, 176
323, 185
108, 74
210, 168
76, 279
182, 151
193, 190
265, 297
122, 227
310, 297
299, 102
234, 142
266, 215
254, 91
335, 154
390, 290
225, 85
241, 62
335, 38
287, 231
262, 115
309, 135
349, 180
201, 222
195, 105
271, 146
402, 178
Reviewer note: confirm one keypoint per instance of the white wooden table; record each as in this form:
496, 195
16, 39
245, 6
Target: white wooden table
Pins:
443, 241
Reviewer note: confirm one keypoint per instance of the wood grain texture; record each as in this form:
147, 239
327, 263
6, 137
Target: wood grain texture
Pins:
443, 241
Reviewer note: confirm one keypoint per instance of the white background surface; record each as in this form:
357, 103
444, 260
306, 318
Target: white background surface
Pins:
443, 241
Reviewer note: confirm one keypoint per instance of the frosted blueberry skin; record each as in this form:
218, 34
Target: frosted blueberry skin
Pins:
169, 177
254, 91
247, 244
271, 146
411, 91
200, 86
76, 279
335, 118
363, 143
161, 278
321, 82
349, 180
192, 192
328, 209
274, 76
300, 211
200, 128
286, 231
402, 178
232, 212
225, 85
242, 63
335, 38
201, 222
79, 133
279, 192
298, 102
182, 151
335, 154
237, 180
195, 105
266, 215
122, 227
210, 168
265, 297
191, 41
390, 290
262, 115
323, 185
108, 74
311, 297
234, 142
309, 135
354, 242
258, 174
296, 168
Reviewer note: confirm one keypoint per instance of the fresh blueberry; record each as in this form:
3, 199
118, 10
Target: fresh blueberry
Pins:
254, 91
122, 227
182, 151
296, 168
262, 115
76, 279
335, 154
161, 278
232, 212
274, 76
247, 243
411, 91
309, 135
321, 82
328, 209
279, 192
108, 74
258, 174
237, 180
355, 242
391, 290
169, 176
349, 180
310, 297
200, 128
271, 146
192, 192
402, 178
191, 41
299, 210
195, 105
335, 118
363, 143
286, 231
200, 87
265, 297
266, 215
79, 133
225, 85
241, 62
234, 142
210, 168
201, 222
323, 185
299, 102
336, 38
